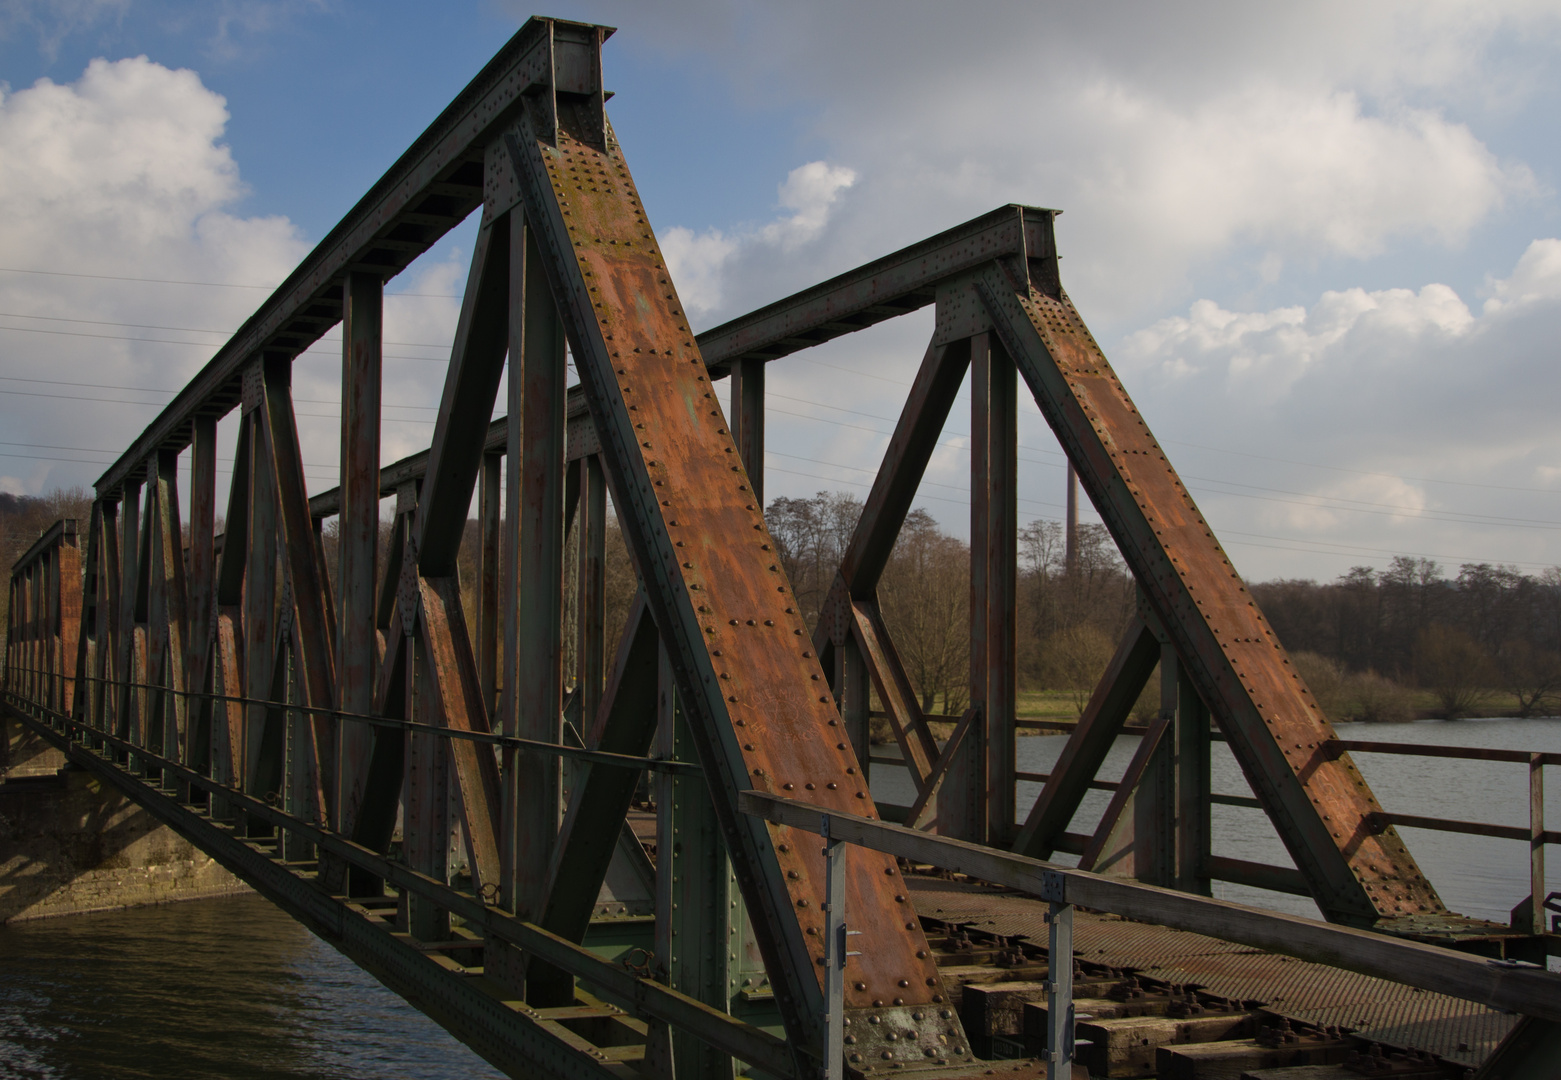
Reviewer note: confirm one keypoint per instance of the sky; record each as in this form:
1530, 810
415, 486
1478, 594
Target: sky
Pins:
1320, 242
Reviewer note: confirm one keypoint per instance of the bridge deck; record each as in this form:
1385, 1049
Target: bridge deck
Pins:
1396, 1016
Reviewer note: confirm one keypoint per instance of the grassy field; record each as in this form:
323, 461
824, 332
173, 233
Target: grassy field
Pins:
1059, 705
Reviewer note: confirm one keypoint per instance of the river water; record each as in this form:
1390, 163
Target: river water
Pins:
234, 989
1475, 875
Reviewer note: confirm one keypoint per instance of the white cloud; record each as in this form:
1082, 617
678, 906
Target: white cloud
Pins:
696, 261
120, 174
1388, 420
1173, 136
702, 263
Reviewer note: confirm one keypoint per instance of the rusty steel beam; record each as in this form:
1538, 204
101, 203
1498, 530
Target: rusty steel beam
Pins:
747, 679
988, 774
882, 289
534, 649
1320, 805
358, 529
428, 191
44, 617
591, 635
580, 442
599, 803
167, 616
471, 384
747, 417
314, 637
201, 587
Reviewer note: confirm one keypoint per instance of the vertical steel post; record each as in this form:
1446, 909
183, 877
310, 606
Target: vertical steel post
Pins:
107, 615
747, 421
835, 953
202, 585
1193, 788
853, 692
989, 749
261, 747
1536, 846
591, 632
362, 380
694, 893
296, 795
534, 637
1070, 558
1059, 993
490, 509
425, 798
129, 576
1155, 802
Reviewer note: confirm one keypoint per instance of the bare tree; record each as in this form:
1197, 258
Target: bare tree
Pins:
925, 599
1453, 666
1532, 675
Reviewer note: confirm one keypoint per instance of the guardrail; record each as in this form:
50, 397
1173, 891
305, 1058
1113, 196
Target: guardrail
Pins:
1502, 984
1526, 917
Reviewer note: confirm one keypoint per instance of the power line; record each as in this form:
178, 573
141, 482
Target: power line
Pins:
1363, 472
182, 329
152, 390
206, 345
205, 284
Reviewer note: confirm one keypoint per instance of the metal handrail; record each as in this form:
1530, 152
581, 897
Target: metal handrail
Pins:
1500, 984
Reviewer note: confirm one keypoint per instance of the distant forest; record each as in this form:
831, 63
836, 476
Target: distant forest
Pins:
1372, 645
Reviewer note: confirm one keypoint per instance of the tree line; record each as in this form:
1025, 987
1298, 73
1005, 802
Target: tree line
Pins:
1362, 641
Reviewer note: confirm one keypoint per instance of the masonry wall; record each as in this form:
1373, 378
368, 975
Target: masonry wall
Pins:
70, 843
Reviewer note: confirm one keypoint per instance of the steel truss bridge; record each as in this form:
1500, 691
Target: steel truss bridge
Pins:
325, 742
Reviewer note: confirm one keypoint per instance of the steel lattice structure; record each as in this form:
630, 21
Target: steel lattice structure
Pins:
287, 726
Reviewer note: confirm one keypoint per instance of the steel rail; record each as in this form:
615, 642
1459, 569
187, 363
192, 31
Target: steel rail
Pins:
718, 1029
601, 757
1499, 984
1466, 753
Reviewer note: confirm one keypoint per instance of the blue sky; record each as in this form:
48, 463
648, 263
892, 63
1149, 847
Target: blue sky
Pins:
1317, 241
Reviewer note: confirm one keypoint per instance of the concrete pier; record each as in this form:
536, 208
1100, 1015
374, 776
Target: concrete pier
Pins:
70, 844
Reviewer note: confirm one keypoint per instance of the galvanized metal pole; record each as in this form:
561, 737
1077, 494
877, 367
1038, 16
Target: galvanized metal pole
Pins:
834, 954
1059, 993
1536, 850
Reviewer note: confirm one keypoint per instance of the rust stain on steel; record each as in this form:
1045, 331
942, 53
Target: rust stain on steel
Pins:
459, 697
1237, 662
758, 653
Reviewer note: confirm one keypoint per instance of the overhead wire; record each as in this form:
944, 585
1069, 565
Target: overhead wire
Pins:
1305, 499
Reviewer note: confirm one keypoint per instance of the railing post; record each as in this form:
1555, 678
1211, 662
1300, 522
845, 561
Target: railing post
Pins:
835, 953
1059, 993
1536, 844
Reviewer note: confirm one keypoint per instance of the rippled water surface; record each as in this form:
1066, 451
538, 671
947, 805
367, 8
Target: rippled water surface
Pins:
229, 988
